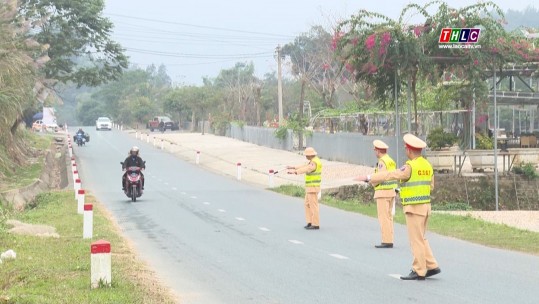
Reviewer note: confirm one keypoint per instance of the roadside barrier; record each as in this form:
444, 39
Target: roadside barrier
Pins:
88, 222
271, 173
80, 201
77, 187
100, 264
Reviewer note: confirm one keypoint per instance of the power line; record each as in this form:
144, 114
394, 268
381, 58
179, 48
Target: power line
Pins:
200, 26
201, 56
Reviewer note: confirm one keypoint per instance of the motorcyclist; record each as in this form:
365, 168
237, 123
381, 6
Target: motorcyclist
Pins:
133, 160
81, 132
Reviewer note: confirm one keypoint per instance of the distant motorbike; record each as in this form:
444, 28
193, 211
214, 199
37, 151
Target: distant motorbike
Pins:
133, 180
80, 139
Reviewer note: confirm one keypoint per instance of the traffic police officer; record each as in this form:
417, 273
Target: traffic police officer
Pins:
417, 179
384, 194
313, 178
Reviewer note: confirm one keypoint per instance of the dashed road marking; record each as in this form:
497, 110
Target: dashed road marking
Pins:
183, 193
193, 197
174, 188
221, 210
296, 242
395, 276
338, 256
166, 183
264, 229
206, 203
240, 219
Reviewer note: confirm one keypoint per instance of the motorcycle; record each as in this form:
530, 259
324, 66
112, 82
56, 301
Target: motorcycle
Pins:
133, 180
80, 139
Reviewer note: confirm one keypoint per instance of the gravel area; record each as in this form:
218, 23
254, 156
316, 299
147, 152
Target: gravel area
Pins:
527, 220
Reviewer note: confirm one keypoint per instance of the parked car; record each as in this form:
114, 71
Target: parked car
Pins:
39, 126
169, 124
103, 123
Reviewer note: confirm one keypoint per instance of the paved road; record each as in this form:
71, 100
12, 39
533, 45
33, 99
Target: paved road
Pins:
213, 239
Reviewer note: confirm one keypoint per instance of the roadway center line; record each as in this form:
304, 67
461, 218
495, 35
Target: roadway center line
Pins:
166, 183
395, 276
174, 188
338, 256
264, 229
221, 210
193, 197
206, 203
183, 193
240, 219
296, 242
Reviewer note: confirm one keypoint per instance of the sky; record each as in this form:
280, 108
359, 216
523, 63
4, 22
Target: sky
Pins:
196, 39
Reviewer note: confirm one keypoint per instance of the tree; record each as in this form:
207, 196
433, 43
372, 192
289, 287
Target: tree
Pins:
376, 48
74, 29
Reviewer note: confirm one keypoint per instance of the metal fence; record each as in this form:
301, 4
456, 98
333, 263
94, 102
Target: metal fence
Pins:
260, 136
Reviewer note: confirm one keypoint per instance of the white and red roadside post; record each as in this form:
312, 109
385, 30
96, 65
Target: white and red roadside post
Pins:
270, 177
80, 200
136, 134
73, 169
100, 264
75, 174
72, 160
238, 165
197, 158
77, 187
69, 148
162, 147
148, 138
88, 221
154, 141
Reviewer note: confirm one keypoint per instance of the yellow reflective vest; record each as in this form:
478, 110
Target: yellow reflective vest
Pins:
313, 179
390, 166
417, 189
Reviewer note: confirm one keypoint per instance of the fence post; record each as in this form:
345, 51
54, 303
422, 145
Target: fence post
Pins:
100, 264
88, 222
239, 170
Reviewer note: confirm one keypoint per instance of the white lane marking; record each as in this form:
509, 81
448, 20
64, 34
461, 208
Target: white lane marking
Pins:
240, 219
395, 276
264, 229
183, 193
206, 203
166, 183
295, 242
160, 180
338, 256
174, 188
193, 197
221, 210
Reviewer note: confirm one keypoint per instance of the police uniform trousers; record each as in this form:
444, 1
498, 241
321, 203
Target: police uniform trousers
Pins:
312, 210
417, 217
384, 205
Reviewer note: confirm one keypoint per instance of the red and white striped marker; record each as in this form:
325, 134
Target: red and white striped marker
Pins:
80, 200
162, 145
88, 222
73, 168
100, 264
77, 187
197, 158
154, 141
270, 177
73, 160
148, 138
75, 175
70, 150
238, 165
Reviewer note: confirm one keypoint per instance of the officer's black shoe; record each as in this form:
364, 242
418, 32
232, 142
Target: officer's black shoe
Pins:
432, 272
312, 227
308, 225
384, 245
413, 276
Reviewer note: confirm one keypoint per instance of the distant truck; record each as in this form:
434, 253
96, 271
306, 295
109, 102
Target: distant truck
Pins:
153, 124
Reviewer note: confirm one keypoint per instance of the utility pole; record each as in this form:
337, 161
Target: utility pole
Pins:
279, 86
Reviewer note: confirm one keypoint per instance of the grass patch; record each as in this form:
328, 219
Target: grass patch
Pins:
24, 175
290, 189
49, 270
461, 227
